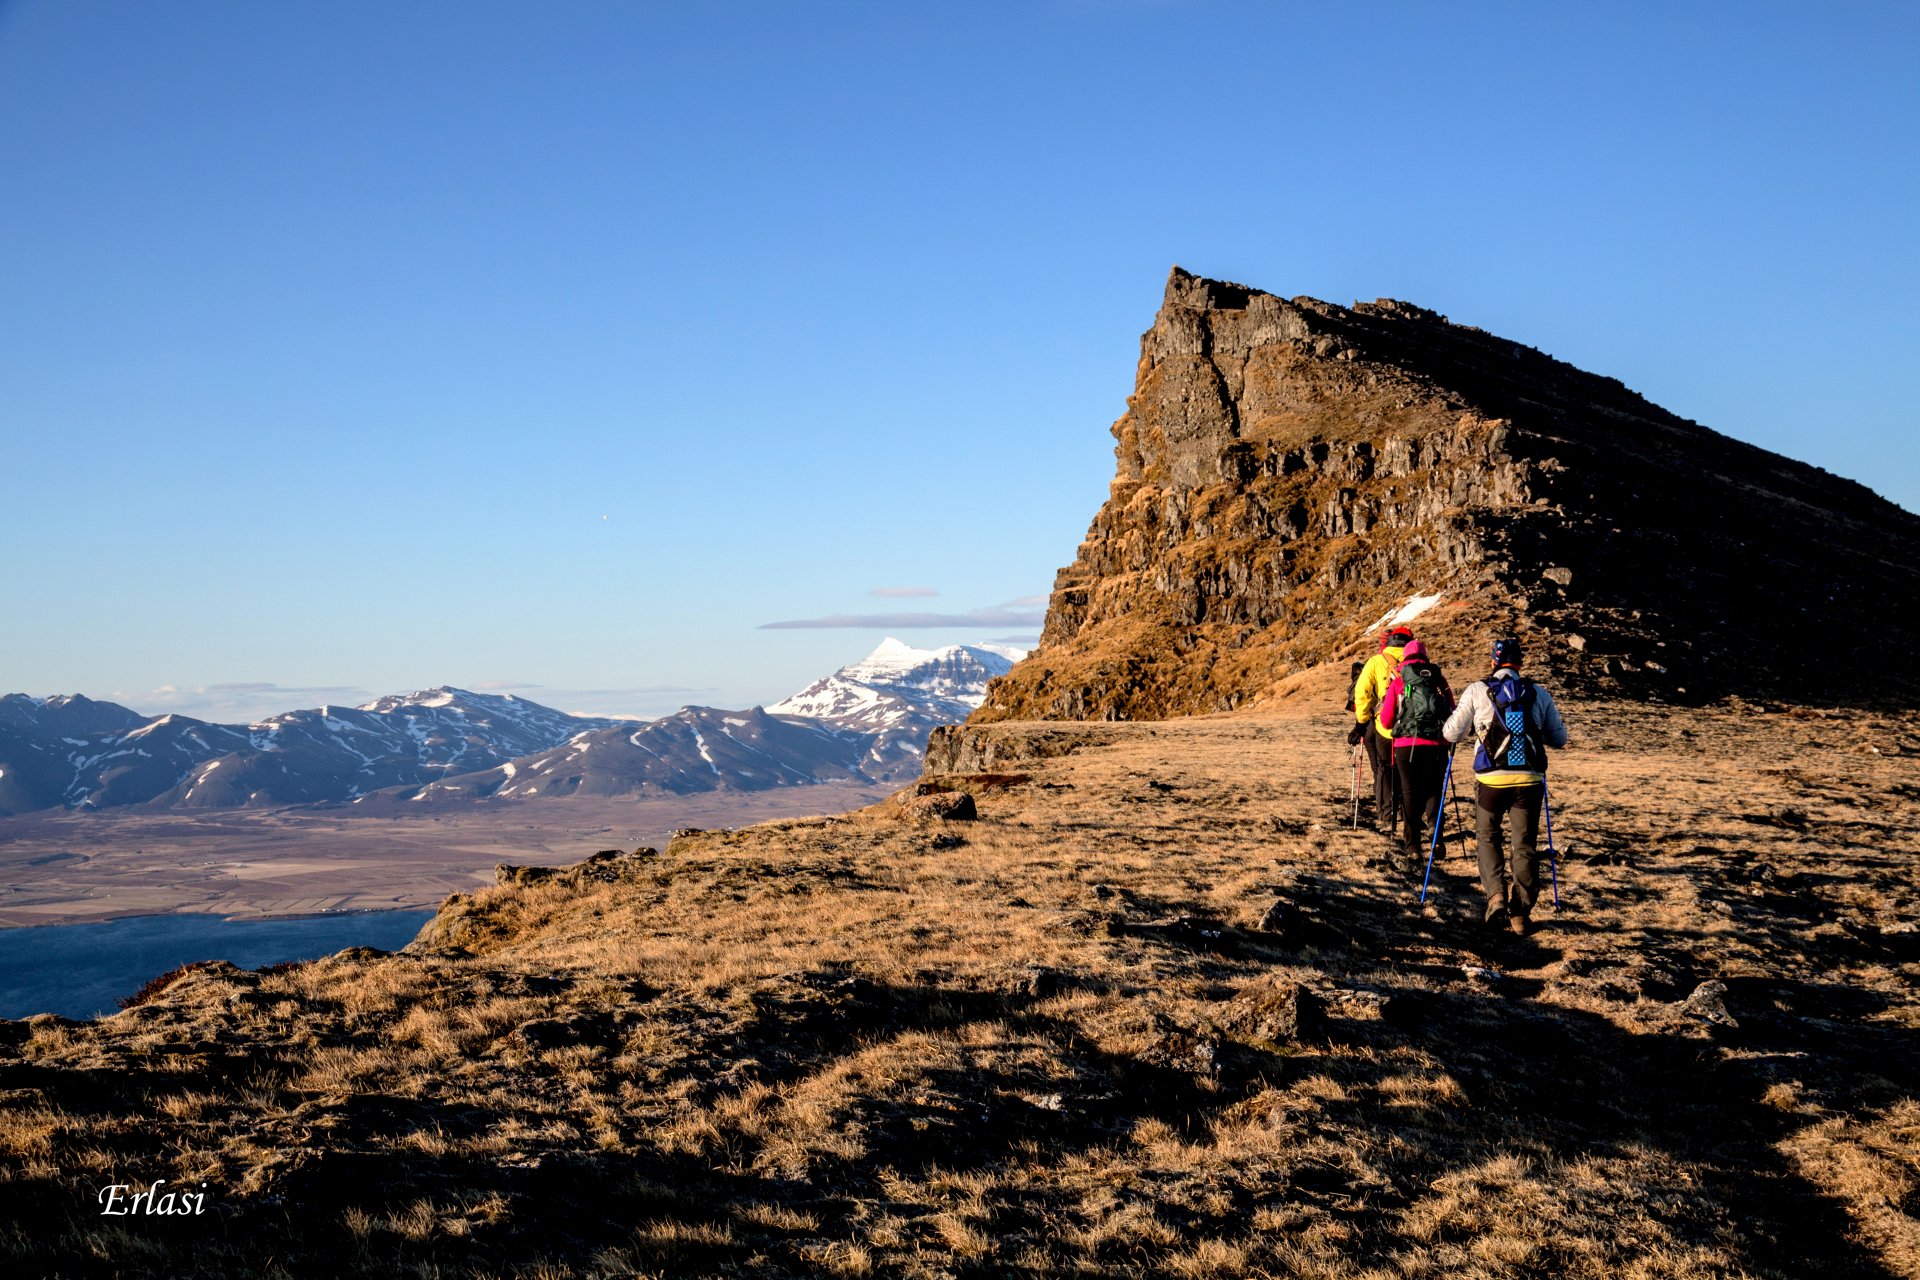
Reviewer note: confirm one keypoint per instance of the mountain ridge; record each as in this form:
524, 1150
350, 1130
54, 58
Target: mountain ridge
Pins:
1289, 470
305, 756
868, 721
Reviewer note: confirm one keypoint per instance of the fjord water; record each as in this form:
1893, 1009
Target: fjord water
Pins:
83, 970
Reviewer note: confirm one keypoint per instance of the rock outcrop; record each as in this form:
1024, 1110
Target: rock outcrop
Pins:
1291, 472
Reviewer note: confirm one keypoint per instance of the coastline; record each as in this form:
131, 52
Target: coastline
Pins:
82, 971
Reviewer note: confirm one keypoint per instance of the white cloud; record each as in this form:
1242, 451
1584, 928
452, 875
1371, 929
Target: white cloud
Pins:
236, 701
244, 701
996, 617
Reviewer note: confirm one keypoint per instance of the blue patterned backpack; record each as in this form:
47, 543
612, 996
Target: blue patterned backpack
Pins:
1510, 742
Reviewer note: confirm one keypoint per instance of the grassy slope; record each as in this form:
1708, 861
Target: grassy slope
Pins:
827, 1046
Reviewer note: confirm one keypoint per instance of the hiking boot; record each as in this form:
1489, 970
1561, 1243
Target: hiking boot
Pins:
1496, 915
1520, 924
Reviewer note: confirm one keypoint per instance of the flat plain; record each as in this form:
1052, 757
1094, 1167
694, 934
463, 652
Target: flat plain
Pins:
62, 868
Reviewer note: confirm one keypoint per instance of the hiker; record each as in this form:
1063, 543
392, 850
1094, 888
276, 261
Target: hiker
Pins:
1515, 721
1353, 683
1415, 712
1368, 691
1359, 730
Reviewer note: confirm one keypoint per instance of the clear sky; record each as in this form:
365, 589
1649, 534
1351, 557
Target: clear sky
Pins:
349, 348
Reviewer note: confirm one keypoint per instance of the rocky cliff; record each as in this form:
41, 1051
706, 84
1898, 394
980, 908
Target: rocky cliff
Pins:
1290, 472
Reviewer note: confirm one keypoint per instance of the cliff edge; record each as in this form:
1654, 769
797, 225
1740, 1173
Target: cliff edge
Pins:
1291, 472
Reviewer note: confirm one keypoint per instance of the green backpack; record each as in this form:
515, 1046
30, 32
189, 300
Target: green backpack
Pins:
1421, 711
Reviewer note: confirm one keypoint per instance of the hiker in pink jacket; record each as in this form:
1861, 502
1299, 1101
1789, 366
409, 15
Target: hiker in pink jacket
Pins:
1414, 713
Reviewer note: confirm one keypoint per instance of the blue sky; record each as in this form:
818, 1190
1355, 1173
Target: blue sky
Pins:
362, 347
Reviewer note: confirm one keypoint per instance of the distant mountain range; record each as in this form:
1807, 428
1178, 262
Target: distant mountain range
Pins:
83, 754
867, 722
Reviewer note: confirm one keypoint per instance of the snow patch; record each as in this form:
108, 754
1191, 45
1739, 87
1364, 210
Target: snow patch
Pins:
1407, 612
1413, 609
893, 656
149, 727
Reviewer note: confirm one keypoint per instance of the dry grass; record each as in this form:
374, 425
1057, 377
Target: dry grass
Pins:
831, 1047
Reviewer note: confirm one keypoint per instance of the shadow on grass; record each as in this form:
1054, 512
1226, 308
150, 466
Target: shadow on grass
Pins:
1547, 1083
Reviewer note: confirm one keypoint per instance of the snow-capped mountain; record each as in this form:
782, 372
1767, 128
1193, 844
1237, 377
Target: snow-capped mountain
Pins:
70, 750
339, 753
65, 714
694, 749
899, 694
897, 681
867, 722
85, 754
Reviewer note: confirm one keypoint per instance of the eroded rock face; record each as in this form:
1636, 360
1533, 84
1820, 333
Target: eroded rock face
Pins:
1287, 472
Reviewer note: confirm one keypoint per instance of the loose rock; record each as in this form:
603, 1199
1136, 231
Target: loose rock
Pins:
1287, 1012
942, 806
1708, 1002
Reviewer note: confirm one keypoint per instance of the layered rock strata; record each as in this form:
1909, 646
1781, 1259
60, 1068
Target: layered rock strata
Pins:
1291, 471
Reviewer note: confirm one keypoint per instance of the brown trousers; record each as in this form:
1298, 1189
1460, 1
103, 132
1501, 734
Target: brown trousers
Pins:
1518, 810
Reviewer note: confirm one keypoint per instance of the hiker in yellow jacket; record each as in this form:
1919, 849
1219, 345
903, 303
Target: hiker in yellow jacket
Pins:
1368, 693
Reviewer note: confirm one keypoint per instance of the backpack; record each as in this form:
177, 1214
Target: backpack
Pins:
1510, 742
1421, 711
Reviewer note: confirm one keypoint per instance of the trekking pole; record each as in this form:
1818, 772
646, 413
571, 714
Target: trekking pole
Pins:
1454, 798
1354, 790
1439, 820
1553, 859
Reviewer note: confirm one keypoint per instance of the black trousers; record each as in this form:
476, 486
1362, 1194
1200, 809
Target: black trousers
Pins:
1420, 768
1518, 810
1386, 781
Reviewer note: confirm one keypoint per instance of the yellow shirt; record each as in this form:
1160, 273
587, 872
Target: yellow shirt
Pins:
1370, 690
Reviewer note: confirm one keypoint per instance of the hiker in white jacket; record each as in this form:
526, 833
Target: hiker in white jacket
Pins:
1514, 721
